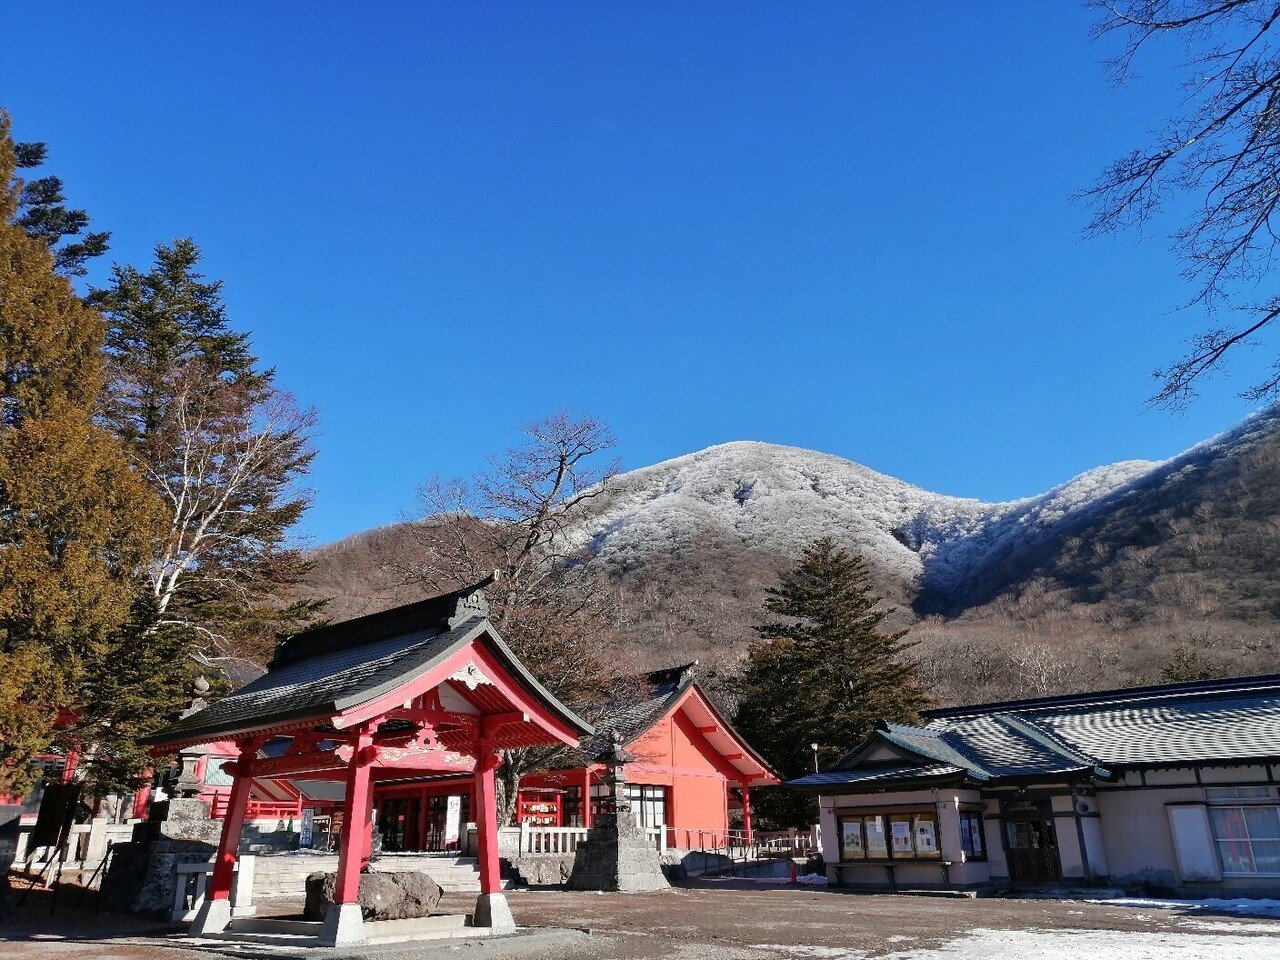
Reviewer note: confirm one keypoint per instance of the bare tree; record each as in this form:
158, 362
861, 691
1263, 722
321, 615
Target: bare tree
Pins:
225, 460
1224, 152
548, 604
224, 447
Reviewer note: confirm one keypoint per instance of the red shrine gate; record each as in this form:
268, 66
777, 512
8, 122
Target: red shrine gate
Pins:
428, 688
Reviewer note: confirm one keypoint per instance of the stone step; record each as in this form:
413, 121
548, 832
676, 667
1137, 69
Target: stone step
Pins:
277, 925
444, 927
297, 893
280, 933
270, 939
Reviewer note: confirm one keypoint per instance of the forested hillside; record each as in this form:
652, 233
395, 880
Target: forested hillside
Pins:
1100, 581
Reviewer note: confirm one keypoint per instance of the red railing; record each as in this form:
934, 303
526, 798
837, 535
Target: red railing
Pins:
257, 809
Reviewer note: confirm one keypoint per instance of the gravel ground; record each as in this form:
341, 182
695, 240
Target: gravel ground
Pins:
730, 921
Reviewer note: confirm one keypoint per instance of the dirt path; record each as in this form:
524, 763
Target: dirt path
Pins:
727, 921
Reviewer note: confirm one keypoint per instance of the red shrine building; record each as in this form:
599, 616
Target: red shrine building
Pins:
692, 779
692, 776
424, 690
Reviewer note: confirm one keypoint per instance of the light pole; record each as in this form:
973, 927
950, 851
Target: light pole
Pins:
814, 748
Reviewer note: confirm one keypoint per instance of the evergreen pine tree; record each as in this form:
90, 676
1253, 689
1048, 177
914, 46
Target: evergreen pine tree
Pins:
40, 208
76, 521
225, 449
823, 671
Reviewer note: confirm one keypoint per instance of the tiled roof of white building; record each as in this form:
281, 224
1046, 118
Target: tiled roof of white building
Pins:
1084, 736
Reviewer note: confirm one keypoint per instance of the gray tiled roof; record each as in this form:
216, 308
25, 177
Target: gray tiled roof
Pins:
325, 671
871, 776
321, 685
1184, 729
1087, 735
632, 714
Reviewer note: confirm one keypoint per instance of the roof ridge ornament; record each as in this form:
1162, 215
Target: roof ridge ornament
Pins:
471, 602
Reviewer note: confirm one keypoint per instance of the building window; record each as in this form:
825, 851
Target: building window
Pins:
1239, 793
1248, 839
972, 841
214, 775
648, 803
889, 836
572, 807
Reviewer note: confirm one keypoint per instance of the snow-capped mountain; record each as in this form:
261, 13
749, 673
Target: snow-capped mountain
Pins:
1138, 557
777, 499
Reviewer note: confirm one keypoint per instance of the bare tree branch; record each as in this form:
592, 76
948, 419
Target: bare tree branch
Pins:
1224, 150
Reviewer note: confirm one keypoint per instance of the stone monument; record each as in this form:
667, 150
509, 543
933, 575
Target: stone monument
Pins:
140, 877
617, 854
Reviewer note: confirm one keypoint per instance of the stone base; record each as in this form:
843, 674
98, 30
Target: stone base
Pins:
543, 871
493, 911
617, 856
343, 924
140, 878
212, 920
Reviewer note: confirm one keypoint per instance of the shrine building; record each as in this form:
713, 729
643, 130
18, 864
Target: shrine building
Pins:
691, 780
1174, 788
424, 690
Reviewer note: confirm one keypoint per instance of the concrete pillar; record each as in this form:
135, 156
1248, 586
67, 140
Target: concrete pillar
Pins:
830, 837
242, 887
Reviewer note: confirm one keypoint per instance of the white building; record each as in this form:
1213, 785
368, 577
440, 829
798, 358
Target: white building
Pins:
1171, 789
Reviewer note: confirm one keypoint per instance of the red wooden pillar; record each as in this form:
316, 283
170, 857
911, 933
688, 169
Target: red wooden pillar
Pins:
746, 810
586, 796
353, 848
229, 845
486, 814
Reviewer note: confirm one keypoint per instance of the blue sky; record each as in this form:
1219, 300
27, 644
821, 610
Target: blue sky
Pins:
843, 226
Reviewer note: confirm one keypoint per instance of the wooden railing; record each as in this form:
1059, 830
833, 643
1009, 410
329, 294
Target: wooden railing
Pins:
257, 809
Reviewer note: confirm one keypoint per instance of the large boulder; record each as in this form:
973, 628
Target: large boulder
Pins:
382, 896
421, 893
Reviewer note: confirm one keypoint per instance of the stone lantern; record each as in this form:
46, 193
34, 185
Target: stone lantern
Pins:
188, 784
615, 760
617, 854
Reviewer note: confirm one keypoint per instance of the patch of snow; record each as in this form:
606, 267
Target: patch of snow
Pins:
813, 879
982, 944
1240, 906
1112, 944
1224, 926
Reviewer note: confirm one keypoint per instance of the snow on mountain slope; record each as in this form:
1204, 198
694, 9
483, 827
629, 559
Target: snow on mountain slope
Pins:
779, 498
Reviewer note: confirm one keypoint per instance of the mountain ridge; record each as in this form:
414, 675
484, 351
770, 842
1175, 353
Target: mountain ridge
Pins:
1133, 558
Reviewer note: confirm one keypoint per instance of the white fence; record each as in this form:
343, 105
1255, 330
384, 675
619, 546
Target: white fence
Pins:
86, 846
530, 840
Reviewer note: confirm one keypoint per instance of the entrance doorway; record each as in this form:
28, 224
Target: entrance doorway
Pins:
422, 824
1031, 842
